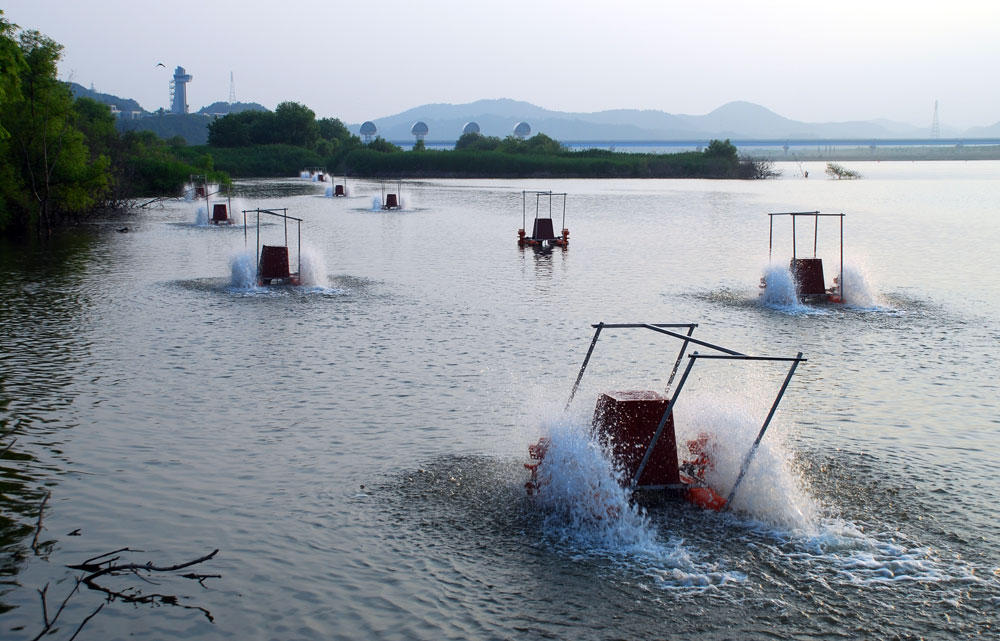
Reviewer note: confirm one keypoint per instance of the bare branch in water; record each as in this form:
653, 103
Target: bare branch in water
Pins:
38, 526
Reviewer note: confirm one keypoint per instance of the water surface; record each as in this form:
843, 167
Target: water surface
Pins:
355, 448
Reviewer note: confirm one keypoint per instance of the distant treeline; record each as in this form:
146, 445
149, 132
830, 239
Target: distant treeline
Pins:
255, 144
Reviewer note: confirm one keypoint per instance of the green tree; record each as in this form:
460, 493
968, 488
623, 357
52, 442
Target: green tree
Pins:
839, 172
725, 150
476, 142
382, 145
55, 175
334, 129
11, 66
295, 124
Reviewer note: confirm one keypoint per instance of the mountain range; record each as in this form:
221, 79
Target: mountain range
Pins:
734, 120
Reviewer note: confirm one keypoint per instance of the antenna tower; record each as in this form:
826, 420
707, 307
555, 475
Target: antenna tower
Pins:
935, 125
232, 89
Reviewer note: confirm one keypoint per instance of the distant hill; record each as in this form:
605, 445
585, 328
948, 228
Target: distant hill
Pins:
122, 104
992, 131
193, 128
733, 120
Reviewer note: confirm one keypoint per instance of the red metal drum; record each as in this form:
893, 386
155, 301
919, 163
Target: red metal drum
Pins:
273, 262
626, 422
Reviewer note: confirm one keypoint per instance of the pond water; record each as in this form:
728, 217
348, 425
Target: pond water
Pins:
354, 447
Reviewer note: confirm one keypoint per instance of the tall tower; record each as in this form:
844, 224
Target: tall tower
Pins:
178, 91
232, 89
935, 125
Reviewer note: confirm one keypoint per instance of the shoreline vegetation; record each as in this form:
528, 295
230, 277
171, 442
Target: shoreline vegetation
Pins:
63, 161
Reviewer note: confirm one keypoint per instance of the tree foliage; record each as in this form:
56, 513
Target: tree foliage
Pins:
52, 173
62, 159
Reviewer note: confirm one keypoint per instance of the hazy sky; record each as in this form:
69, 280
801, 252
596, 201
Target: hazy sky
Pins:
809, 60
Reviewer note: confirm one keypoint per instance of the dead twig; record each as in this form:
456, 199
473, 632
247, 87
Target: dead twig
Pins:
107, 565
38, 526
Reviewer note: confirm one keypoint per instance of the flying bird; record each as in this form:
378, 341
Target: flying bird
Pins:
160, 64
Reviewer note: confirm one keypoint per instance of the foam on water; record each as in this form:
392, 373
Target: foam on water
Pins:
586, 508
773, 500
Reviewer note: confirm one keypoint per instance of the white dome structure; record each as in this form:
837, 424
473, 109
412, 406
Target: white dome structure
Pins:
419, 129
471, 127
368, 130
522, 130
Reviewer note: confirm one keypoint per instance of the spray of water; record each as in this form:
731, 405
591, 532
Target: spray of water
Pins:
780, 290
329, 192
312, 270
244, 271
859, 290
587, 509
376, 204
771, 491
201, 216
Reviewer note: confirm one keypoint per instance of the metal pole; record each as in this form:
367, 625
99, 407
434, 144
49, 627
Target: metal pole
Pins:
680, 356
760, 435
841, 258
793, 236
815, 233
770, 235
285, 218
524, 209
257, 250
300, 249
663, 422
586, 360
693, 340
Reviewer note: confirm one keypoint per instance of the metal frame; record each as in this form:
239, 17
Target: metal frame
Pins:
816, 216
334, 182
724, 354
283, 215
399, 193
538, 200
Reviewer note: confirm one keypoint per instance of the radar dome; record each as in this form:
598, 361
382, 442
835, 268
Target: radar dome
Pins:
471, 128
368, 129
522, 130
419, 129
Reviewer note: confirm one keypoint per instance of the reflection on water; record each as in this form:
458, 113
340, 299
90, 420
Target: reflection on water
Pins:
355, 448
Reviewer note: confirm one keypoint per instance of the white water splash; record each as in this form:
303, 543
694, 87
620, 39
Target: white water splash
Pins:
780, 290
859, 290
772, 491
312, 270
376, 204
586, 508
201, 216
244, 272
